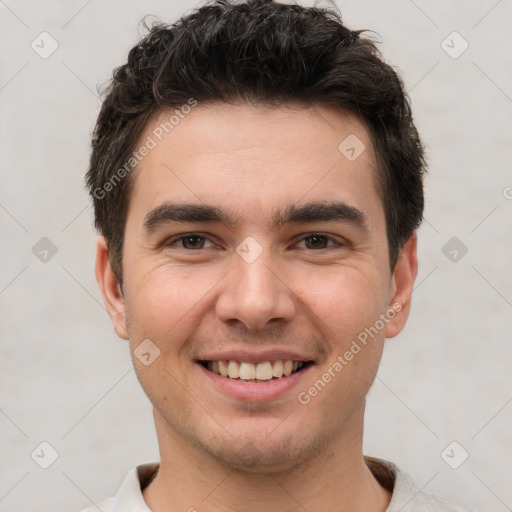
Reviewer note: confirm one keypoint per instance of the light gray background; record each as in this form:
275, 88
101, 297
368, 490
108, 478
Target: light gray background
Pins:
66, 378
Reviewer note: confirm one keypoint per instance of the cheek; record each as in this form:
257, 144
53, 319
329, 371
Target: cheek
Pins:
161, 306
346, 300
347, 308
166, 305
163, 295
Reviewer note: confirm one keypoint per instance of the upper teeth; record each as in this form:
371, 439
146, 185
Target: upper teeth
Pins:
249, 371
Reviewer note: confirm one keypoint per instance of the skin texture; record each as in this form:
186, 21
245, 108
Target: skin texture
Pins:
223, 453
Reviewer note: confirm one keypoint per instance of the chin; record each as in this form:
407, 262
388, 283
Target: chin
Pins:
263, 456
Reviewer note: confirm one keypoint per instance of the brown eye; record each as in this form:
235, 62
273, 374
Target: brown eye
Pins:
316, 242
189, 242
192, 242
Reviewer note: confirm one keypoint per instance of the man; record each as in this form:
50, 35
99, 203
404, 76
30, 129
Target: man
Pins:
257, 183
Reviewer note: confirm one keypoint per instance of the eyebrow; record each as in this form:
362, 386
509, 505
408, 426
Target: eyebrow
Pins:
293, 214
321, 212
186, 212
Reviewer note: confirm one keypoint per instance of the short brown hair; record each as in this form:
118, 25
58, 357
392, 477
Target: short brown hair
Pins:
257, 51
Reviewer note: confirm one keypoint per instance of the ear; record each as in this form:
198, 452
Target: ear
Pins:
110, 289
402, 282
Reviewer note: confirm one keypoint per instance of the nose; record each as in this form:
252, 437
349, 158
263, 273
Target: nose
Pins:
255, 294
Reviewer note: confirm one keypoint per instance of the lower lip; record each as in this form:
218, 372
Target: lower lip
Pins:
254, 391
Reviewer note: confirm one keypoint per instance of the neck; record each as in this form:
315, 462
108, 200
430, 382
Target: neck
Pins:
337, 479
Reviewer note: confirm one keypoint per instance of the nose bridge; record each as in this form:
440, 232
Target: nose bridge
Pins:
254, 294
256, 277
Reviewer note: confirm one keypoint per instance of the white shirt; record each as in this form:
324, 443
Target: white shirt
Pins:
406, 497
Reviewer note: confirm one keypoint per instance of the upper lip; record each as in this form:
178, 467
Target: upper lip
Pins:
259, 356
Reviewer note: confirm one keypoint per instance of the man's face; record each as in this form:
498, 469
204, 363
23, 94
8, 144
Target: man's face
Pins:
281, 255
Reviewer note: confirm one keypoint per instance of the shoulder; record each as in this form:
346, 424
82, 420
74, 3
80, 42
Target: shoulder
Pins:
426, 502
129, 496
105, 506
406, 497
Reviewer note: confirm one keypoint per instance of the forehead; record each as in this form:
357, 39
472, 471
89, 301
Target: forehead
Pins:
255, 158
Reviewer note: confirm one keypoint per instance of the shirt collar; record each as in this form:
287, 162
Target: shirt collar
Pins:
130, 498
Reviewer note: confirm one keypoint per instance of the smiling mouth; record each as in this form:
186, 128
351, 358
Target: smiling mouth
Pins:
250, 372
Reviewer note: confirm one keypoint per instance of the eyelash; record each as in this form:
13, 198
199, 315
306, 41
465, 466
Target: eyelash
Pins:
335, 243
